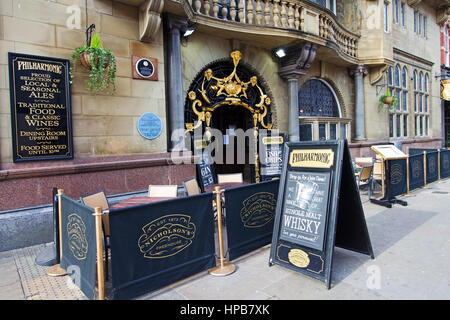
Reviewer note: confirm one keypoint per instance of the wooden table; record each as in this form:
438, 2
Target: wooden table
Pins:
135, 201
224, 185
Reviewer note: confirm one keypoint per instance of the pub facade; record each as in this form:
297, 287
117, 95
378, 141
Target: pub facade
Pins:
313, 70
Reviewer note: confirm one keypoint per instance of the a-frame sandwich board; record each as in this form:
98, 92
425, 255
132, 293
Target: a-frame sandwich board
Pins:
318, 208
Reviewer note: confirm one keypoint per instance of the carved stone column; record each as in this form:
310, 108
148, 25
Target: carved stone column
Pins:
174, 26
358, 73
296, 63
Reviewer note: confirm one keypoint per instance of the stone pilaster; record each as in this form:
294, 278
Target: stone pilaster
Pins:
296, 63
358, 73
173, 29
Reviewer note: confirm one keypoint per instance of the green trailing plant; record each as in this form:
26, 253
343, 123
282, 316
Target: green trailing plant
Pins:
100, 63
387, 100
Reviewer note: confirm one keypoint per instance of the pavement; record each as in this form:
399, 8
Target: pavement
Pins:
411, 246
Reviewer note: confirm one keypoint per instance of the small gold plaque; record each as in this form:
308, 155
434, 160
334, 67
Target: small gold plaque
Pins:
298, 258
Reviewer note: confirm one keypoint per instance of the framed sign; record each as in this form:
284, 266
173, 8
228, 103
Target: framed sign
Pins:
389, 152
205, 168
395, 174
145, 68
314, 212
40, 108
272, 155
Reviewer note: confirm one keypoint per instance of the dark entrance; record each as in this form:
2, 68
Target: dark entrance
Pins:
229, 119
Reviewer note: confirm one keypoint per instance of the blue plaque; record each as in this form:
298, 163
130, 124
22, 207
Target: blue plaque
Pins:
149, 125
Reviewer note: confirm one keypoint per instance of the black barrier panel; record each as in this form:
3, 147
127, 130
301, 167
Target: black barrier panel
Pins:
398, 176
250, 211
79, 250
445, 163
157, 244
432, 166
416, 174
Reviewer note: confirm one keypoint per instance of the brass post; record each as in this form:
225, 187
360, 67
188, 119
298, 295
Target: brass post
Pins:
56, 270
257, 175
100, 268
223, 268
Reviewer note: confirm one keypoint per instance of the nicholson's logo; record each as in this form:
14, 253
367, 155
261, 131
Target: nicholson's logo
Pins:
76, 235
432, 165
417, 169
396, 173
166, 236
258, 209
446, 162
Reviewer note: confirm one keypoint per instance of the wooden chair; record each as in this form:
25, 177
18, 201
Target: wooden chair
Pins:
230, 177
99, 199
162, 190
191, 187
364, 179
377, 175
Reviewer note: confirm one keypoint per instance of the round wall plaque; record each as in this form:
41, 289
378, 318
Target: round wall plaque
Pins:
149, 126
145, 68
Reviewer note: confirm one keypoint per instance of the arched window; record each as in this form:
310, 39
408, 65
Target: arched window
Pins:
421, 105
316, 99
398, 118
319, 111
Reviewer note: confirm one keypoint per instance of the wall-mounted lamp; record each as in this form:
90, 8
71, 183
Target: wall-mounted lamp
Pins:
280, 53
188, 32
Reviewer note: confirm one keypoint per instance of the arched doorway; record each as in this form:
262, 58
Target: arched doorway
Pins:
227, 96
320, 112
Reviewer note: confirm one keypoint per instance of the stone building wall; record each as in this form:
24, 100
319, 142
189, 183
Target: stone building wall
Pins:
109, 152
103, 124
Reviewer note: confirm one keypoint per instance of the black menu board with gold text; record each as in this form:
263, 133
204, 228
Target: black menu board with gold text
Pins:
40, 108
318, 208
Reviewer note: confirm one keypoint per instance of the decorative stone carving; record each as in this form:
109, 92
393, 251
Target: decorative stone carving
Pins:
150, 19
297, 61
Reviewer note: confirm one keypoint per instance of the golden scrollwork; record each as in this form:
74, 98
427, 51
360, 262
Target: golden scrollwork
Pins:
230, 91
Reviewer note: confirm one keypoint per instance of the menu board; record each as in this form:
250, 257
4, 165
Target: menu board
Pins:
40, 108
318, 208
205, 168
389, 152
305, 210
272, 156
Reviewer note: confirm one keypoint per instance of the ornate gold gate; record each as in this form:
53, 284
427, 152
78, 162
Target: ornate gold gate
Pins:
213, 92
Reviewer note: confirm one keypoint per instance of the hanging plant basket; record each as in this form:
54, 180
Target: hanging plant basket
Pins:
387, 101
85, 60
100, 63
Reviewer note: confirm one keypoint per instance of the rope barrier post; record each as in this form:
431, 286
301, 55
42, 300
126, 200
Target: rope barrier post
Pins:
56, 270
100, 265
223, 268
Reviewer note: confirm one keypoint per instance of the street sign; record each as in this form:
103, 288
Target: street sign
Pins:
318, 208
